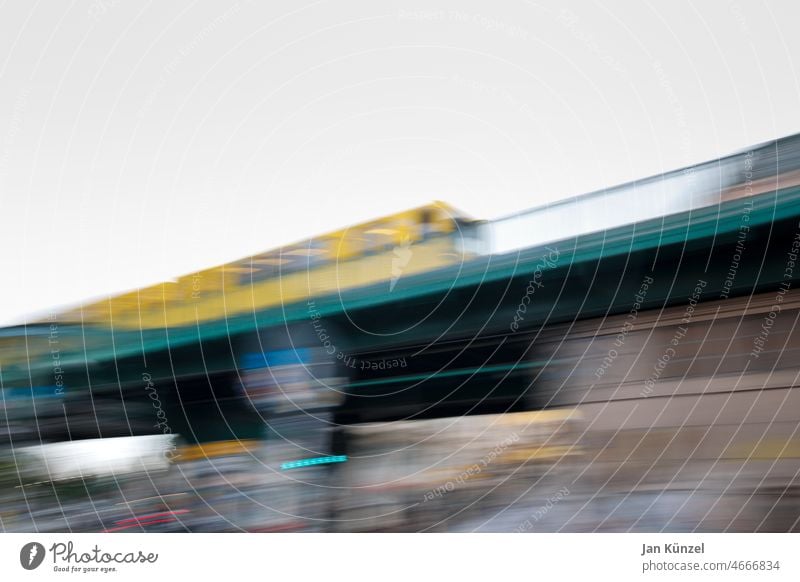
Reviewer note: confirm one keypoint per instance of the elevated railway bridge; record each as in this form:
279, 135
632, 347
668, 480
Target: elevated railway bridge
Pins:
655, 322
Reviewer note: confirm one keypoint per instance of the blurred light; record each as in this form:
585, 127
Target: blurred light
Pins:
314, 461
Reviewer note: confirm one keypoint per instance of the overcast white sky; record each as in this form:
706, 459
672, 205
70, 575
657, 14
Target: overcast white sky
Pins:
143, 140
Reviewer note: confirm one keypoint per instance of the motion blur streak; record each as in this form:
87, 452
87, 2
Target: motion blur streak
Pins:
622, 361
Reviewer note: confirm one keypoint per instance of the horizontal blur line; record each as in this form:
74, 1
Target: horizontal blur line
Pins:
451, 373
654, 397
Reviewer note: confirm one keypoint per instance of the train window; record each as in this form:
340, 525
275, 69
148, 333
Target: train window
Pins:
308, 256
352, 244
379, 240
426, 223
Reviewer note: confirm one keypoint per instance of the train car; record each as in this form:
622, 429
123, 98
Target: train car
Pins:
382, 250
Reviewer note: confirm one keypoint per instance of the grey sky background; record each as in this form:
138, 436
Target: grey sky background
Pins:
144, 140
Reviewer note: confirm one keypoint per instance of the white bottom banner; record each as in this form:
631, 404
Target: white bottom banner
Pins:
417, 557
